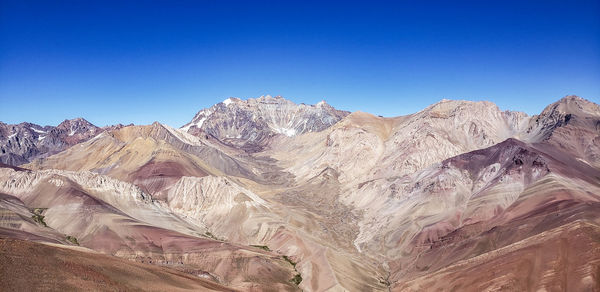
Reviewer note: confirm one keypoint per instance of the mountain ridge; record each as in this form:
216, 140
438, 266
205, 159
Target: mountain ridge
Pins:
363, 204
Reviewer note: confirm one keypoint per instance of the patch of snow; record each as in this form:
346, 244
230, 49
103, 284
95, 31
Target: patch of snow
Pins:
72, 132
286, 131
186, 127
204, 113
40, 138
321, 103
200, 122
197, 124
12, 135
38, 131
227, 101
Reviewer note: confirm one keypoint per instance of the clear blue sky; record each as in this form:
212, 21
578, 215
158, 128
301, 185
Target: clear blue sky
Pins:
141, 61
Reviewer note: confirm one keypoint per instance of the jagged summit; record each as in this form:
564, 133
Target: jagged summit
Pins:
78, 126
24, 142
76, 120
249, 124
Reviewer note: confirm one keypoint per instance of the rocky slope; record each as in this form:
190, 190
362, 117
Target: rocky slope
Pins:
117, 218
405, 189
250, 124
221, 190
429, 201
363, 146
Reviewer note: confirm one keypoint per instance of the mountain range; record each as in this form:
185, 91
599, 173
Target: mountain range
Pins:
21, 143
264, 194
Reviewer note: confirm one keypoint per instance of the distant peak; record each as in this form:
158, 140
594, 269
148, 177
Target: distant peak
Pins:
76, 121
572, 97
572, 104
361, 114
448, 107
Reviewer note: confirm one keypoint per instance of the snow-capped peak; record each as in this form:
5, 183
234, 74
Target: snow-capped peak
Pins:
249, 124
